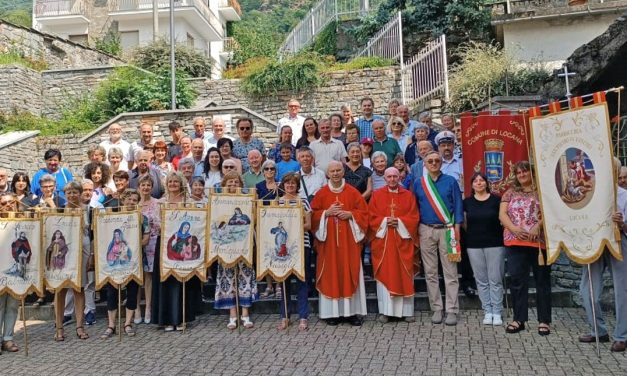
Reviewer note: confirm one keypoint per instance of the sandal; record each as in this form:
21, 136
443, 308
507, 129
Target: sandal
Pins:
59, 335
283, 324
10, 346
303, 325
82, 334
544, 329
267, 293
246, 322
108, 333
232, 323
515, 327
128, 329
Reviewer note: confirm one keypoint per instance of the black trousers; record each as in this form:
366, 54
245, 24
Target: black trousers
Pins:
519, 261
131, 296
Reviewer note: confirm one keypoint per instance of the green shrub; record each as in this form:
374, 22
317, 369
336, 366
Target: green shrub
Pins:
156, 57
326, 41
111, 43
485, 71
362, 62
13, 57
249, 67
296, 74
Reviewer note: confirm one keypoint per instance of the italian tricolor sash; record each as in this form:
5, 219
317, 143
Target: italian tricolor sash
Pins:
453, 247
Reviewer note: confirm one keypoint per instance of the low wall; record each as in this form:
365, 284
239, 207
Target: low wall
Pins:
20, 89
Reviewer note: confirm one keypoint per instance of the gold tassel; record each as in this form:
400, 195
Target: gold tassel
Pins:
454, 257
541, 260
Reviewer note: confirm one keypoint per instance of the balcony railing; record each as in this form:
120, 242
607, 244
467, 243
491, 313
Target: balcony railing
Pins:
143, 5
52, 8
230, 44
231, 4
510, 7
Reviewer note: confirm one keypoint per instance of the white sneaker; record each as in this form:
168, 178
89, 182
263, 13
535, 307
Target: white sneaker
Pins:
497, 320
487, 319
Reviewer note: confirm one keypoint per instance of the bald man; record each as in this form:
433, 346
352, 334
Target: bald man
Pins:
254, 174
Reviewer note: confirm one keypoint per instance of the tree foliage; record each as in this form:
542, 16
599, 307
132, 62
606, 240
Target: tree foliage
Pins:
156, 56
20, 17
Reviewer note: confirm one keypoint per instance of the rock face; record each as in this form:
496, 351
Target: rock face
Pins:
599, 65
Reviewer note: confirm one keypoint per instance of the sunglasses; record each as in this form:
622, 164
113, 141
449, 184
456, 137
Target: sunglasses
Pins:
269, 169
228, 167
433, 161
244, 128
397, 123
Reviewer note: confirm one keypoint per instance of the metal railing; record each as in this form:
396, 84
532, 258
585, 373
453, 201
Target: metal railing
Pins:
229, 44
320, 16
425, 75
141, 5
387, 42
51, 8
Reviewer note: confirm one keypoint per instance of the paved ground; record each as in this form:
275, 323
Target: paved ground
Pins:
376, 349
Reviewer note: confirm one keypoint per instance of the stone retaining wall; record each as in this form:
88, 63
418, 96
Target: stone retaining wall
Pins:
20, 89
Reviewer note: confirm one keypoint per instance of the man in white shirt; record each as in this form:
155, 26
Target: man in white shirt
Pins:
146, 139
326, 148
217, 125
312, 179
293, 119
115, 139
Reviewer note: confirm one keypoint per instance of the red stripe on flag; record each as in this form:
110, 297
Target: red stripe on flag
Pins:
599, 97
535, 112
555, 107
575, 102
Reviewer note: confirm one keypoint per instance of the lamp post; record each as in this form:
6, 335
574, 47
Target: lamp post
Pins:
172, 63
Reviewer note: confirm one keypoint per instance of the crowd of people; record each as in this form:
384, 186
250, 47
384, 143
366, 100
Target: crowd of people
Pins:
383, 198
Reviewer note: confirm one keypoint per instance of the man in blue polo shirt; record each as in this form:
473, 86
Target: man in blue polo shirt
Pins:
364, 123
441, 215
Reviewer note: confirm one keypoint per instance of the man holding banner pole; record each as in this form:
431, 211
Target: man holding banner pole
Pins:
441, 211
594, 276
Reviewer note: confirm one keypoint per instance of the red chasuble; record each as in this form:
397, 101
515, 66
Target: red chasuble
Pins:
393, 256
339, 255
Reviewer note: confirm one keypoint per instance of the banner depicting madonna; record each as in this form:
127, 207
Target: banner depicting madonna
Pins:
63, 250
21, 264
231, 228
118, 251
183, 243
280, 242
492, 144
575, 179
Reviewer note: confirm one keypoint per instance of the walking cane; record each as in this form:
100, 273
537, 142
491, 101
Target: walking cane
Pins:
237, 318
507, 314
184, 310
594, 314
287, 327
25, 332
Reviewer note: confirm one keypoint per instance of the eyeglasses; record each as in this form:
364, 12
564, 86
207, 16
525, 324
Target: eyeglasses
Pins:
433, 161
115, 131
228, 167
269, 169
244, 128
397, 123
5, 203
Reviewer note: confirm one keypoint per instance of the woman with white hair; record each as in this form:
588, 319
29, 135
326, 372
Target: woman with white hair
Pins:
396, 130
379, 164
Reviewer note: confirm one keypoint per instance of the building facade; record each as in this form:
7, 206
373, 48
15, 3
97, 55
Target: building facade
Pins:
199, 24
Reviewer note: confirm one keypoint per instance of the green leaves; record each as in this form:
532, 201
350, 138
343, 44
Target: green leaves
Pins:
156, 56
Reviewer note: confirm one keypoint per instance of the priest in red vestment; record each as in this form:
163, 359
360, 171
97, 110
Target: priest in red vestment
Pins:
393, 230
339, 223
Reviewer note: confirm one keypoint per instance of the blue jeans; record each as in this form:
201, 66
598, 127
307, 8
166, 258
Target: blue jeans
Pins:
619, 274
302, 293
8, 316
488, 265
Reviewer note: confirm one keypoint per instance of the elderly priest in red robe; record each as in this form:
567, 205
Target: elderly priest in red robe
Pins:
393, 232
340, 222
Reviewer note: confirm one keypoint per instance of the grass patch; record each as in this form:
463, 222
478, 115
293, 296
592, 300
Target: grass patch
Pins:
15, 58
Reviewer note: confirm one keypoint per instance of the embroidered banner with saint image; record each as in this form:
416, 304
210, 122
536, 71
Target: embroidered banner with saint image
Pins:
183, 243
280, 242
21, 264
63, 249
118, 250
573, 163
230, 228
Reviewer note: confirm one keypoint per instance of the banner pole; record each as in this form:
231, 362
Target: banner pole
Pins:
25, 331
236, 281
287, 317
594, 314
184, 310
119, 314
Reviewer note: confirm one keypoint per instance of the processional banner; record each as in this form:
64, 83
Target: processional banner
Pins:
573, 164
492, 144
231, 228
63, 249
118, 250
183, 243
280, 241
21, 264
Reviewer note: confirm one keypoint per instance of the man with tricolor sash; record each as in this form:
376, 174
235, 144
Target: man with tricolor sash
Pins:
441, 214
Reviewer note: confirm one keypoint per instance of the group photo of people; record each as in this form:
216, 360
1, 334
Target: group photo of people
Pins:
383, 198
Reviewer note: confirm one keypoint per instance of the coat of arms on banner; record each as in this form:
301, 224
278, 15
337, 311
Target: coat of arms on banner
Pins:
231, 228
118, 250
183, 243
280, 242
21, 264
63, 249
492, 144
573, 164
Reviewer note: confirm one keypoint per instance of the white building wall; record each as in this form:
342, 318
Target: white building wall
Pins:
181, 29
555, 39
